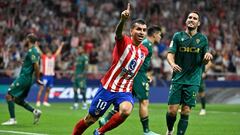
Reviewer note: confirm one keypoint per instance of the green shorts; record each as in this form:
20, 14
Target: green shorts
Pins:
202, 86
183, 94
80, 83
20, 87
141, 87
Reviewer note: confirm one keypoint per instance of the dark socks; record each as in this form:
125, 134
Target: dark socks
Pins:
170, 121
203, 102
83, 95
24, 104
11, 109
75, 96
145, 126
182, 124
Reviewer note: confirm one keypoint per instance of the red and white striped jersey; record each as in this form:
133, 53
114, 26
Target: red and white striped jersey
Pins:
127, 60
47, 64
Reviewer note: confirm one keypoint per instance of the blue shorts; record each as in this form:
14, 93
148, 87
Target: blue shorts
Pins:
104, 98
47, 80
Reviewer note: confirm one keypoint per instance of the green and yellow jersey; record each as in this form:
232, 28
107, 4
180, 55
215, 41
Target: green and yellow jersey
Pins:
189, 52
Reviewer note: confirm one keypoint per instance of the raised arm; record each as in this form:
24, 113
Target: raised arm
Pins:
124, 16
59, 49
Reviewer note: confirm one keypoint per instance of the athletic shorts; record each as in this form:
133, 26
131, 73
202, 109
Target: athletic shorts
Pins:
202, 86
20, 87
47, 80
141, 87
183, 94
80, 83
104, 98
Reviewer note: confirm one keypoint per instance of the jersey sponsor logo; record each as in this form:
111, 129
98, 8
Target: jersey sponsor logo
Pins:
189, 49
132, 64
197, 40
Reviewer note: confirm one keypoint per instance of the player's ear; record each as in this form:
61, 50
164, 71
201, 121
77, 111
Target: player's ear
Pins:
199, 23
131, 32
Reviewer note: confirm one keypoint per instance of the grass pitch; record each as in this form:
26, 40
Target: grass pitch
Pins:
221, 119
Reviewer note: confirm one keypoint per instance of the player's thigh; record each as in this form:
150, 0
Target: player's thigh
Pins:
20, 87
50, 81
189, 95
101, 102
141, 87
123, 97
175, 94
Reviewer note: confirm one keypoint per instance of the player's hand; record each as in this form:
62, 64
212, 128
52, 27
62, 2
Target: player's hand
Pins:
176, 68
207, 57
204, 75
62, 43
149, 79
40, 82
126, 13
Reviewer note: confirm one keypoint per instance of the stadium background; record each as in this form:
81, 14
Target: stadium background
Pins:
91, 23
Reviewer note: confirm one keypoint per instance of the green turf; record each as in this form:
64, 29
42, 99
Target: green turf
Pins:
221, 119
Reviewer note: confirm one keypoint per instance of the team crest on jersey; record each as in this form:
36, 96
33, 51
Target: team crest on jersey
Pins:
132, 65
142, 55
197, 40
33, 57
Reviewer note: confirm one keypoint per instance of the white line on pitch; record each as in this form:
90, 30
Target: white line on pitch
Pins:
18, 132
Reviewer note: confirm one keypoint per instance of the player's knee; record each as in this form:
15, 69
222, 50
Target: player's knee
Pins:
8, 97
89, 120
144, 103
186, 110
125, 109
172, 113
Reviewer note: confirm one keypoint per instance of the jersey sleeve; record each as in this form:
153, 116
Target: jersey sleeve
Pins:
122, 43
173, 44
34, 56
206, 46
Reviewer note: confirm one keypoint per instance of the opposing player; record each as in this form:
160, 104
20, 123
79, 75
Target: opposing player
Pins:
47, 69
187, 55
116, 86
141, 82
19, 89
79, 78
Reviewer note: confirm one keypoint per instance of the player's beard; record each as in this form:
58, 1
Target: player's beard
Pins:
191, 28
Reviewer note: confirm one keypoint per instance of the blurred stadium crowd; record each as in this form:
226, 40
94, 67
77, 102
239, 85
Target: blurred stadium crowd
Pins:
91, 23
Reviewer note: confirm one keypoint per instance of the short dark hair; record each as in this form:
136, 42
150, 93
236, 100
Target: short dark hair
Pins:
32, 38
139, 21
153, 29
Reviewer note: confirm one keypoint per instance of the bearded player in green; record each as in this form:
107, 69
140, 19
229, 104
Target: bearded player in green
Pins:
79, 79
187, 55
19, 89
141, 82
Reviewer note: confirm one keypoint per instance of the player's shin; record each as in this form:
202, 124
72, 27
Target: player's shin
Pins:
24, 104
80, 127
170, 121
115, 121
11, 109
182, 124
